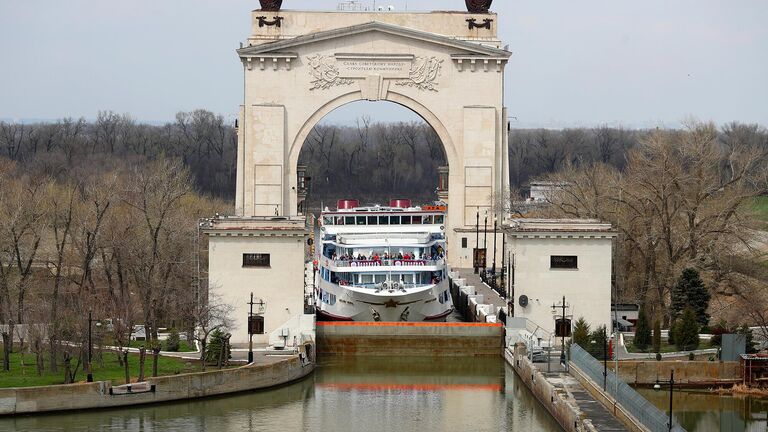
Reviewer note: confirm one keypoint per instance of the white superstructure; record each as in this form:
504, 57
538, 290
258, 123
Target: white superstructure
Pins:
383, 263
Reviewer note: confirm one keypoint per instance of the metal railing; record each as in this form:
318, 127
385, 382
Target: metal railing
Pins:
387, 263
644, 411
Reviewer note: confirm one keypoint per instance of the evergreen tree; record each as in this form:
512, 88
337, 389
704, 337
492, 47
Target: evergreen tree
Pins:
581, 333
717, 333
656, 336
213, 350
687, 333
643, 331
747, 332
672, 332
174, 341
598, 343
690, 291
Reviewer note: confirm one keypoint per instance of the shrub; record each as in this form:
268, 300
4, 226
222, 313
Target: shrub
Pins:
643, 331
687, 333
174, 341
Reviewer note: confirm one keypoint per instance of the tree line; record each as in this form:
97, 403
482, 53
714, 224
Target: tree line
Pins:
118, 244
203, 141
681, 199
373, 162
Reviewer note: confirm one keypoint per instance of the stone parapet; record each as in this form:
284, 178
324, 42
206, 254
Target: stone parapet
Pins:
30, 400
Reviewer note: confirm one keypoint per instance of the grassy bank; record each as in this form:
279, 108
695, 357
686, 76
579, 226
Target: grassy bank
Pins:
665, 346
184, 346
761, 208
110, 370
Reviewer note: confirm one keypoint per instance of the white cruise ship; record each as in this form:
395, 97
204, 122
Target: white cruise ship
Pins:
383, 263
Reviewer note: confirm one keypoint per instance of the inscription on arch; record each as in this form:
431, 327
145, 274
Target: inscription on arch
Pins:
406, 70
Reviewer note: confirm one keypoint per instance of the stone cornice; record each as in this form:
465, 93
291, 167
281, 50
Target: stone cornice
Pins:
374, 26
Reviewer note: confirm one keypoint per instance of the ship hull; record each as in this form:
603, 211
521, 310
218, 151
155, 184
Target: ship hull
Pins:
341, 303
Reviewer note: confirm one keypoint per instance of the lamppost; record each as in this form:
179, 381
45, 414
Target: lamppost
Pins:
503, 264
561, 328
493, 271
605, 357
671, 384
605, 362
485, 244
250, 331
477, 239
90, 347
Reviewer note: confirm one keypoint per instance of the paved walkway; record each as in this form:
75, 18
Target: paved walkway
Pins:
600, 417
489, 295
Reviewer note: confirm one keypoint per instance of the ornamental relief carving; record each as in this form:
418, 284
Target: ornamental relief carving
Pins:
424, 73
325, 73
419, 72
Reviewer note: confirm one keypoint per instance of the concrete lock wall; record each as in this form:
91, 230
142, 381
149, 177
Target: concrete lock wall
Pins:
693, 373
168, 388
568, 415
409, 339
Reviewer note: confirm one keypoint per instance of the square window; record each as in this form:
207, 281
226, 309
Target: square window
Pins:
394, 220
383, 220
349, 220
255, 260
373, 220
464, 242
361, 220
405, 220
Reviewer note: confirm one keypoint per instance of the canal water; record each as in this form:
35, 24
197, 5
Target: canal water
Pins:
344, 394
699, 411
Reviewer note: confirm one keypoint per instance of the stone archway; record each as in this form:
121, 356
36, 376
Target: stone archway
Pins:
299, 66
428, 117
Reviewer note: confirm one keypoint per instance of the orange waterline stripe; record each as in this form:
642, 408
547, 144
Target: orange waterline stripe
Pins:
402, 324
421, 387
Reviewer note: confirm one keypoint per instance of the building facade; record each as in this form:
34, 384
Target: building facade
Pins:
263, 256
556, 258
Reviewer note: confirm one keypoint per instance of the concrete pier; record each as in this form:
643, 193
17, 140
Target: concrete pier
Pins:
566, 399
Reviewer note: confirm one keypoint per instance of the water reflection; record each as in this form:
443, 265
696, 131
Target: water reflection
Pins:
376, 394
704, 412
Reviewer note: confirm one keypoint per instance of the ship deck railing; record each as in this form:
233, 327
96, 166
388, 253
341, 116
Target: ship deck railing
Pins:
388, 263
378, 287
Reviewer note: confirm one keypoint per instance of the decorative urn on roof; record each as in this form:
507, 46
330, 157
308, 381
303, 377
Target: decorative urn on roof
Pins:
478, 6
274, 5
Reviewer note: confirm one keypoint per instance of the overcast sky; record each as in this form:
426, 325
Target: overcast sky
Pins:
575, 63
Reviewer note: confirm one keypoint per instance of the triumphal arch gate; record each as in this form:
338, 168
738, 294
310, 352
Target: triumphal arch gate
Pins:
448, 67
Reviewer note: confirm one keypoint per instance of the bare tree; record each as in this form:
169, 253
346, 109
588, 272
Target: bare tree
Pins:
211, 314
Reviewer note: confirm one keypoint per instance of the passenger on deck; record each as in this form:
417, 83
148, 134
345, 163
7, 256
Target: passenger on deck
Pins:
399, 255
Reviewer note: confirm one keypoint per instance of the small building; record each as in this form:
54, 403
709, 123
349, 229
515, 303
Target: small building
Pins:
260, 255
555, 258
626, 315
541, 191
